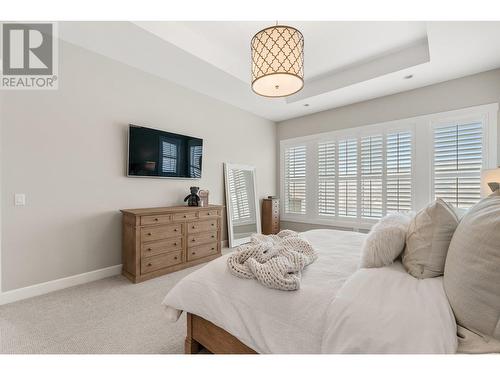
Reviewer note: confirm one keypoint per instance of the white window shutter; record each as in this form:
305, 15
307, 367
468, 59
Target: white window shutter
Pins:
371, 176
399, 171
348, 177
327, 160
295, 179
457, 163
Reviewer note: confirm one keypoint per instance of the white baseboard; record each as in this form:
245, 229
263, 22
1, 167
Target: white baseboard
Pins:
53, 285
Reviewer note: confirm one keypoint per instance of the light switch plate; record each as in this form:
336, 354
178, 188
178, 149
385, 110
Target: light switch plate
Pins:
20, 199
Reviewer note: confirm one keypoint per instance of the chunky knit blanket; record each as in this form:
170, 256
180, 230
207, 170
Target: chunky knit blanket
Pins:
276, 261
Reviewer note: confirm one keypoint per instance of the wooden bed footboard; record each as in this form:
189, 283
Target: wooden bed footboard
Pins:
204, 334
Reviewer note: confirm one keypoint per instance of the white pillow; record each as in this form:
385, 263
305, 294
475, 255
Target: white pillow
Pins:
386, 241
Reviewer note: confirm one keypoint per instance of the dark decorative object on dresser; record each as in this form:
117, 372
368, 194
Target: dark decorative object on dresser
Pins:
193, 198
161, 240
270, 215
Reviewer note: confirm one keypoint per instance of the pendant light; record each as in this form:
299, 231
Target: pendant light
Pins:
277, 61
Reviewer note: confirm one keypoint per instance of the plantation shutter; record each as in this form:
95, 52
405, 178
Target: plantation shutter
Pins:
295, 180
238, 186
458, 160
348, 178
398, 171
326, 178
371, 176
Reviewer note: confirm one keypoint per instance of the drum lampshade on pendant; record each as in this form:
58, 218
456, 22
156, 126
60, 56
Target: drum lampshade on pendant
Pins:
277, 61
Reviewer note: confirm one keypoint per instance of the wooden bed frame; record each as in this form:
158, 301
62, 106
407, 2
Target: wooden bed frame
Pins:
204, 334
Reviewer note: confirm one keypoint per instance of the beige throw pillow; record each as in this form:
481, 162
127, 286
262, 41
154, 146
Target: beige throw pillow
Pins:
428, 239
472, 271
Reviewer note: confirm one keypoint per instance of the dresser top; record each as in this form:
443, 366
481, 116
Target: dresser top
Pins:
160, 210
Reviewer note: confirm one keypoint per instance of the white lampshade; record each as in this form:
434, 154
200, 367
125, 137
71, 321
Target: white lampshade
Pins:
277, 61
487, 176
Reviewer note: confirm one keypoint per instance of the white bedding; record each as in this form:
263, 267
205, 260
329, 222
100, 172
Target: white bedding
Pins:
386, 310
270, 320
312, 320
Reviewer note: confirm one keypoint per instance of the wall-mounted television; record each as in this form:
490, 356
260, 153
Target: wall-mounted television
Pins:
156, 153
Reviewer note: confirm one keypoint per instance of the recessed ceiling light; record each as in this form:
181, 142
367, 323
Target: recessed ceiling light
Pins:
409, 76
306, 105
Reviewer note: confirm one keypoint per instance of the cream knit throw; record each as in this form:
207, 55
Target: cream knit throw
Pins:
276, 261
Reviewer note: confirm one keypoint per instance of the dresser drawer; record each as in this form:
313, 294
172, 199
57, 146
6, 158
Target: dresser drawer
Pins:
156, 219
202, 251
160, 261
209, 213
161, 232
160, 247
201, 238
202, 226
184, 216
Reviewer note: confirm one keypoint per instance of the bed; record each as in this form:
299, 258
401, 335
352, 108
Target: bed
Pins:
338, 309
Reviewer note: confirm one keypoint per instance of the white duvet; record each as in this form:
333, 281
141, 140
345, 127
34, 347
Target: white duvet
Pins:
372, 312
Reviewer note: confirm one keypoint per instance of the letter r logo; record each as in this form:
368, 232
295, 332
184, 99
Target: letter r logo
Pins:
27, 48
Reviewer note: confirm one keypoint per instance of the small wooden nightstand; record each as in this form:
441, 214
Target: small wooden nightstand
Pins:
270, 216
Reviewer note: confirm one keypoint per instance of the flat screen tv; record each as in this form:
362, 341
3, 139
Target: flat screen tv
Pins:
155, 153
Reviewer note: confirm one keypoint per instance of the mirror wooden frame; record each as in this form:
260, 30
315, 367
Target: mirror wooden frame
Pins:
230, 232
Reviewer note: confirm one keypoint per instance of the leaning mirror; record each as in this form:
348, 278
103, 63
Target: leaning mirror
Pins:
243, 214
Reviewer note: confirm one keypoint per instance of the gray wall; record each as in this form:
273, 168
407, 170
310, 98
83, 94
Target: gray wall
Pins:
66, 149
483, 88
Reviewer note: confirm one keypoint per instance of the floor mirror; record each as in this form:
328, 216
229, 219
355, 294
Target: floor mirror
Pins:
243, 214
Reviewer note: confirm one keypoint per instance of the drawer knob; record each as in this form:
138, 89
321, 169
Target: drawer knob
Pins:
208, 213
193, 253
213, 248
193, 240
194, 227
175, 243
149, 249
213, 224
156, 219
149, 264
150, 234
175, 258
185, 216
175, 229
213, 236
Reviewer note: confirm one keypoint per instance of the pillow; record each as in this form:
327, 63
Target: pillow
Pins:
472, 271
428, 239
385, 241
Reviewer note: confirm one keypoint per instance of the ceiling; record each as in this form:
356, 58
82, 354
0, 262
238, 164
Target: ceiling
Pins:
345, 62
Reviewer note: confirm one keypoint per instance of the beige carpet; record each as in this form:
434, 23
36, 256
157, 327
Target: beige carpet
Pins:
106, 316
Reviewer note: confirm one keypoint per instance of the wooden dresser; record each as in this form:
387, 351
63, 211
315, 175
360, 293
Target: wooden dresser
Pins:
270, 216
161, 240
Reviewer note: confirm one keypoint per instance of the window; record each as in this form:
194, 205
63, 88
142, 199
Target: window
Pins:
352, 177
327, 178
348, 178
458, 159
398, 167
295, 180
371, 176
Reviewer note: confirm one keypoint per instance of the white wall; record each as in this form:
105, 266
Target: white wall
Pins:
483, 88
66, 150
